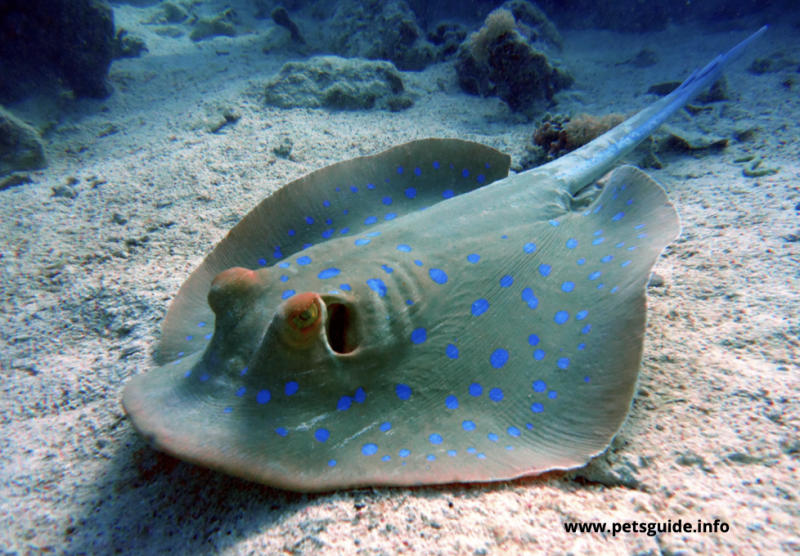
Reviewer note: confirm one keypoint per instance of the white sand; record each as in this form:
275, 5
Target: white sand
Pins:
713, 433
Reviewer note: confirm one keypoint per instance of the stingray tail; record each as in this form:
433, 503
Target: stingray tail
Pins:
592, 161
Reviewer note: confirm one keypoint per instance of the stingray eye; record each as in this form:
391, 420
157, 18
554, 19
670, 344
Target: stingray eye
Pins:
303, 312
305, 318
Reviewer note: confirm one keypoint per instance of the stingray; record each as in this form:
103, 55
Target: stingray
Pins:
419, 316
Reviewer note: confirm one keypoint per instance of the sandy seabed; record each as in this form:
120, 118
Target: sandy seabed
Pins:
85, 283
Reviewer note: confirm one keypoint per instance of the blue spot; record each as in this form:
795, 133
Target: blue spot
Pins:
499, 358
493, 437
563, 363
631, 248
307, 245
344, 230
641, 236
448, 193
404, 248
481, 178
403, 391
373, 234
302, 261
506, 281
629, 201
626, 263
572, 243
451, 402
438, 276
399, 169
598, 241
281, 431
595, 275
552, 394
309, 220
607, 258
284, 278
473, 258
435, 438
436, 164
471, 450
529, 426
328, 273
325, 203
277, 255
327, 233
533, 339
598, 233
409, 302
287, 294
419, 335
561, 317
586, 329
344, 403
332, 463
208, 336
638, 227
386, 200
496, 395
614, 289
403, 453
480, 307
537, 407
431, 457
513, 431
586, 379
227, 410
200, 324
362, 241
539, 386
621, 244
390, 216
452, 453
190, 338
322, 435
284, 265
345, 287
377, 285
618, 216
338, 189
369, 449
529, 298
465, 173
411, 192
370, 220
581, 261
386, 458
538, 354
468, 426
244, 371
418, 263
475, 389
451, 351
503, 237
329, 221
262, 262
387, 269
567, 286
581, 346
544, 269
582, 315
360, 395
291, 388
554, 223
529, 248
354, 189
481, 456
263, 396
239, 393
386, 427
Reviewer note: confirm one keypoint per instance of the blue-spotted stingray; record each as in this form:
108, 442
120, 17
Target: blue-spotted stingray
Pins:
418, 317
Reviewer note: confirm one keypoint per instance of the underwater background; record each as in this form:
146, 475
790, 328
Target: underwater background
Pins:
134, 135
